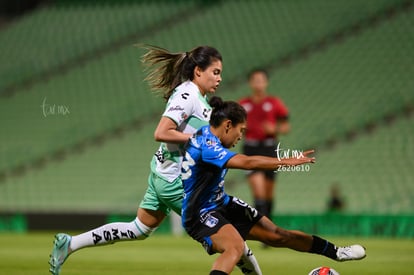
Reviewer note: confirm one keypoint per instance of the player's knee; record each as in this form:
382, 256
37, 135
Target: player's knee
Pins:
143, 231
235, 249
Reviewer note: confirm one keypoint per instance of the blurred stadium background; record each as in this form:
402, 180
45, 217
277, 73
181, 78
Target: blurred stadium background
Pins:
77, 120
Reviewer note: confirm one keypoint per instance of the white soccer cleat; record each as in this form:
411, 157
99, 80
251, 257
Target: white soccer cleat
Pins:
352, 252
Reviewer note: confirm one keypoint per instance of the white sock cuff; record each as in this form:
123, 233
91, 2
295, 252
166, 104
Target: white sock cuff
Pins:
142, 228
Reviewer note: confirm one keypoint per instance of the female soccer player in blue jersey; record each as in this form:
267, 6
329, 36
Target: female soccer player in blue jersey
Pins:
222, 222
186, 79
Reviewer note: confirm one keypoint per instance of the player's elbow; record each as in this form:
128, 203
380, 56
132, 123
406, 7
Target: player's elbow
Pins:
250, 164
158, 136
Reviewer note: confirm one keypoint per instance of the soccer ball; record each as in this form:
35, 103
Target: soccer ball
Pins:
323, 270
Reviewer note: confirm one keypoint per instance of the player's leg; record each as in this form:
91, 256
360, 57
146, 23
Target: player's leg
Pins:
256, 179
262, 188
270, 182
173, 196
242, 217
230, 244
270, 187
266, 231
248, 263
150, 214
64, 244
257, 182
262, 182
137, 229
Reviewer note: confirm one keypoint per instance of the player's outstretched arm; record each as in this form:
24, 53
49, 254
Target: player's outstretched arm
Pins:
241, 161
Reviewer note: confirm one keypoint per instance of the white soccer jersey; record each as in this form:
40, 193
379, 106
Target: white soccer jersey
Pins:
189, 110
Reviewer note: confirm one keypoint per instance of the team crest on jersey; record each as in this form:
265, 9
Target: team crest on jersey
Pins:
210, 142
184, 115
211, 221
267, 107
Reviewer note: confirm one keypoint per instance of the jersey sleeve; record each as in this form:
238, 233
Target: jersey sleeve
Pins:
216, 155
179, 107
282, 111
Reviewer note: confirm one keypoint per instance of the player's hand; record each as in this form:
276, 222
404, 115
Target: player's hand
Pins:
269, 128
307, 158
301, 159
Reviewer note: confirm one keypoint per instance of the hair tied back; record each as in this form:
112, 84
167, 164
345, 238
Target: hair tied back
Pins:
216, 102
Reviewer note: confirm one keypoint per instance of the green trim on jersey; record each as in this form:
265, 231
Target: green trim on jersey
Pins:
176, 122
203, 98
189, 110
195, 122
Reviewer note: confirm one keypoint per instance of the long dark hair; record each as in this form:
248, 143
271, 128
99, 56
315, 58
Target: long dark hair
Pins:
223, 110
168, 70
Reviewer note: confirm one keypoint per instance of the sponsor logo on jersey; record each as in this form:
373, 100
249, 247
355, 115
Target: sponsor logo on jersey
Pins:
206, 113
175, 108
185, 95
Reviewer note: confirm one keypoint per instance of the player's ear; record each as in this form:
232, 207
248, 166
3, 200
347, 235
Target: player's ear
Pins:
197, 71
228, 125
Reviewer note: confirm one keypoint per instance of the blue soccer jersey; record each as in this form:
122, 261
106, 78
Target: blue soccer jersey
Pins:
203, 175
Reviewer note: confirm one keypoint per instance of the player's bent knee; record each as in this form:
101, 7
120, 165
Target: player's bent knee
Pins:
234, 252
231, 246
236, 248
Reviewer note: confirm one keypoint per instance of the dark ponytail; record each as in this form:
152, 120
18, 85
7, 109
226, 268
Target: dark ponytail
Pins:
223, 110
168, 70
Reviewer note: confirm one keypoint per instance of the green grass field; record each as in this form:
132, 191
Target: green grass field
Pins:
163, 254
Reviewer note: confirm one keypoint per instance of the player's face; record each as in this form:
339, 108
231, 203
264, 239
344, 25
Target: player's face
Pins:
258, 82
209, 79
234, 135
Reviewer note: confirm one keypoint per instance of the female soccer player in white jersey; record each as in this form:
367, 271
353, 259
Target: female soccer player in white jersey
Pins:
221, 222
186, 79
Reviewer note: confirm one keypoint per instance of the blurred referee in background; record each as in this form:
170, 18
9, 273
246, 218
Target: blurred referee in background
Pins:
267, 117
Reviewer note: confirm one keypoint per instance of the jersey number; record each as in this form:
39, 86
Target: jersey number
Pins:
186, 166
